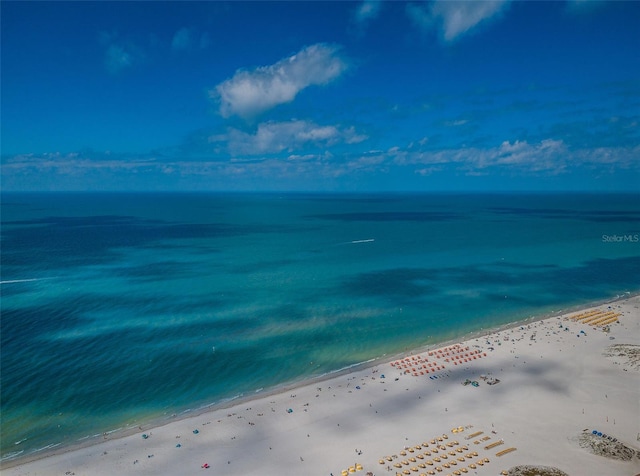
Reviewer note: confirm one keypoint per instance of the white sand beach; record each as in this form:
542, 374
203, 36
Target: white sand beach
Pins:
555, 384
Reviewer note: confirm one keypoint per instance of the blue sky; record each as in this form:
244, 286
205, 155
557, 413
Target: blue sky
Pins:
321, 96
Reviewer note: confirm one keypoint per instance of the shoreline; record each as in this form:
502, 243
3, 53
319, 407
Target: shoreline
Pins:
121, 434
259, 397
152, 424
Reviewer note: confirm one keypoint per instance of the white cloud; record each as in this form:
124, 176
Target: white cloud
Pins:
584, 6
367, 11
426, 171
182, 39
274, 137
119, 53
189, 39
420, 15
549, 157
456, 123
249, 93
117, 59
455, 18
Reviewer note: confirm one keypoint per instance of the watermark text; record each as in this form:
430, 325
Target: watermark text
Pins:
635, 238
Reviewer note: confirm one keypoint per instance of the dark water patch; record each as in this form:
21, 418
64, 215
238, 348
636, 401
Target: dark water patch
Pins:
590, 280
347, 198
478, 276
161, 270
284, 314
82, 314
397, 283
523, 266
261, 266
390, 216
150, 361
516, 281
604, 216
20, 328
596, 273
75, 241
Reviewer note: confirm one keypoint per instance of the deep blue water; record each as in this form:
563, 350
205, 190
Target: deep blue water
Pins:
120, 309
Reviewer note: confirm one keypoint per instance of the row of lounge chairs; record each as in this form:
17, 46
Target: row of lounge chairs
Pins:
596, 317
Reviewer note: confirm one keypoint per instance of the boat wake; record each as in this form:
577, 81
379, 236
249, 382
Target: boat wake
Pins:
30, 280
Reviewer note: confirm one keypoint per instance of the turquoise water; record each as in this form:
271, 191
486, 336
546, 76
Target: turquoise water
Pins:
121, 309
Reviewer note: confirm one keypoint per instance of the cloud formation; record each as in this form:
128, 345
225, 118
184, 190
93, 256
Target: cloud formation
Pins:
188, 39
454, 18
249, 93
119, 54
367, 11
275, 137
547, 157
181, 39
117, 58
584, 6
104, 171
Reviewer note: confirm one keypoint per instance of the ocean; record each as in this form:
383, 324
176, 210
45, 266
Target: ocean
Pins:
120, 310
